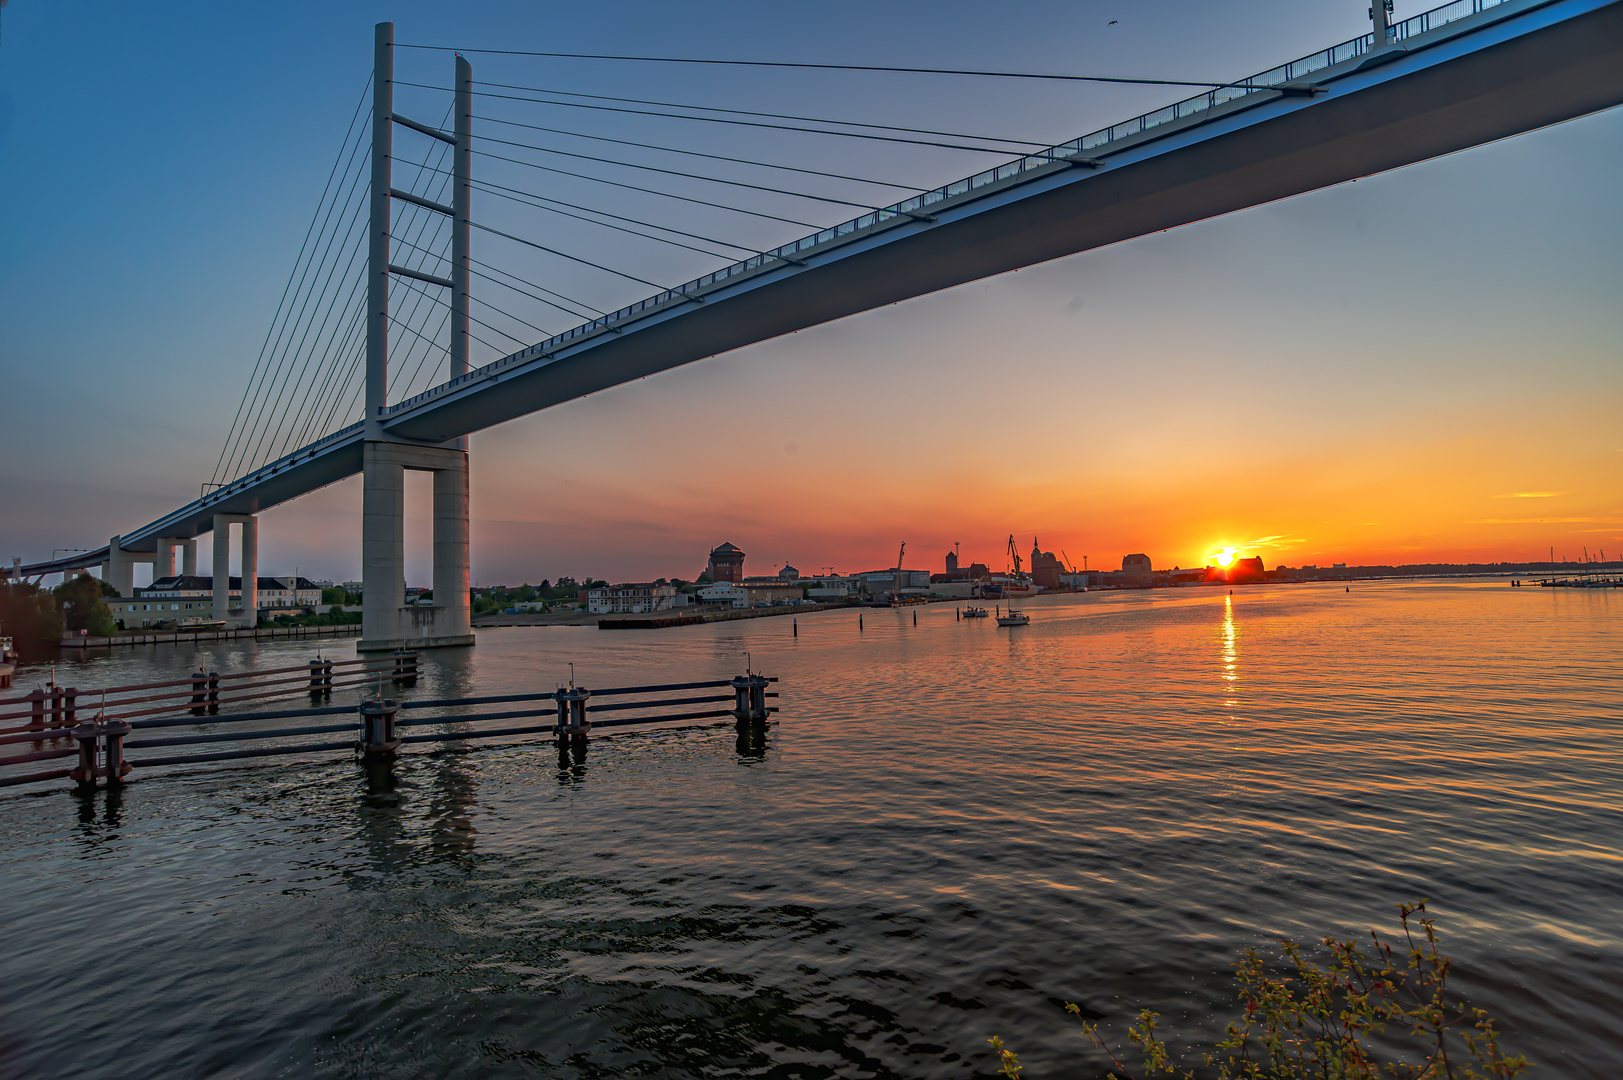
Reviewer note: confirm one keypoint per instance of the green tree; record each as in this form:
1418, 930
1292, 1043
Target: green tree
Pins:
82, 607
334, 595
29, 615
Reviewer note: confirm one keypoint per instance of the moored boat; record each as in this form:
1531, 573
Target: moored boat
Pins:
1013, 617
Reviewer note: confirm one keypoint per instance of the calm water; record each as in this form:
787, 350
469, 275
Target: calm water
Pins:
954, 828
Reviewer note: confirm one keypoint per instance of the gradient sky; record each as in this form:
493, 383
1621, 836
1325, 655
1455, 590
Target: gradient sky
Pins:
1420, 366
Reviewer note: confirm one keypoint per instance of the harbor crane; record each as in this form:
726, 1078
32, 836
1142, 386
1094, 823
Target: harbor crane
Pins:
1014, 554
896, 593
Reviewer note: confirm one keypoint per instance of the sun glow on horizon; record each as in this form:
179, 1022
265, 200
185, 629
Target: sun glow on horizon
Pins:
1223, 556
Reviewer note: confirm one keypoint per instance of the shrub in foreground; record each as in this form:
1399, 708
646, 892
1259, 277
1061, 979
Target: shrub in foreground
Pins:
1319, 1022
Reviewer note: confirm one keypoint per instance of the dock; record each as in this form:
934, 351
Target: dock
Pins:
242, 633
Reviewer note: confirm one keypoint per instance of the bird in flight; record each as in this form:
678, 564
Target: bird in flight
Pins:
1113, 22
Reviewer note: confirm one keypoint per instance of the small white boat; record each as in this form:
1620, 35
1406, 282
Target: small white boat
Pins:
1013, 618
974, 613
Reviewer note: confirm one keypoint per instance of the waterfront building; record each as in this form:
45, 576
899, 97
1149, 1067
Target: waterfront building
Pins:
632, 598
726, 563
724, 593
191, 596
789, 573
1046, 568
773, 592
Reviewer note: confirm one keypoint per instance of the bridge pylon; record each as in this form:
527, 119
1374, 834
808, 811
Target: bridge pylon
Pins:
387, 622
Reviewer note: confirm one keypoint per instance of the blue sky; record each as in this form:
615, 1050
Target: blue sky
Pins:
159, 165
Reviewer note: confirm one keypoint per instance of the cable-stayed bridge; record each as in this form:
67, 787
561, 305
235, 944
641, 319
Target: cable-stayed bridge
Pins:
376, 284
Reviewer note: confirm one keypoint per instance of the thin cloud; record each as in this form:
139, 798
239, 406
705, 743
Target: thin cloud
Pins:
1532, 494
1542, 521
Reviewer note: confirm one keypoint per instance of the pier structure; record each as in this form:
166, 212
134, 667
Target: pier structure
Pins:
221, 718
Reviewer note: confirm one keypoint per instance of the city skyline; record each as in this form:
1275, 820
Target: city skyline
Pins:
1363, 374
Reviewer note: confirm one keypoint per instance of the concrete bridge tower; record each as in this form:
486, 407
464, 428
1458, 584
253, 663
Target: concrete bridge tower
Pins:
387, 622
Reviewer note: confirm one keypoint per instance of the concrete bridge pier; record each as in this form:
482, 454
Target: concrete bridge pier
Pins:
119, 569
164, 566
386, 620
248, 614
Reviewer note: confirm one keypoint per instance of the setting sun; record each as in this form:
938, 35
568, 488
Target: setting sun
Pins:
1223, 556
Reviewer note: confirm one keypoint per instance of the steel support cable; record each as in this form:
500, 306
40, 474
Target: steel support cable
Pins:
438, 151
422, 220
293, 417
498, 189
311, 402
572, 258
417, 315
542, 300
267, 401
338, 379
712, 157
352, 343
423, 216
498, 281
265, 404
335, 365
650, 191
867, 136
291, 329
348, 134
516, 195
415, 323
773, 116
432, 299
595, 312
349, 380
249, 415
545, 333
979, 73
498, 310
620, 228
339, 354
422, 358
336, 347
291, 359
678, 172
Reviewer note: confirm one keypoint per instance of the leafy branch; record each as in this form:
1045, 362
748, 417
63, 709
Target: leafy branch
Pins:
1318, 1023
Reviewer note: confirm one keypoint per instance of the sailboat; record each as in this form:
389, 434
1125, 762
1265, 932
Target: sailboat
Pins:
1015, 617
